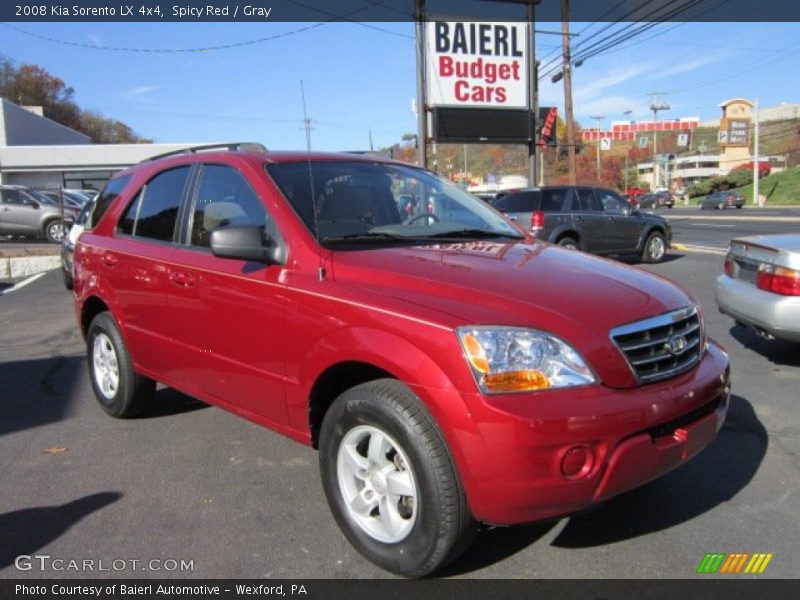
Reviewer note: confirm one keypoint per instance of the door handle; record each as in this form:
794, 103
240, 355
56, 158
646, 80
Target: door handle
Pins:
182, 279
579, 219
110, 260
510, 218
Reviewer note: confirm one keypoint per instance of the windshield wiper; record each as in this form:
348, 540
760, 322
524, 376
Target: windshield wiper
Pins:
369, 236
475, 233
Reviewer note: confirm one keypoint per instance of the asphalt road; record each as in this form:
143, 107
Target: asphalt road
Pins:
713, 229
194, 483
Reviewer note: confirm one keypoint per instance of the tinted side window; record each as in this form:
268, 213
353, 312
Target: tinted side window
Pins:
154, 211
107, 196
588, 201
519, 202
223, 198
554, 200
611, 201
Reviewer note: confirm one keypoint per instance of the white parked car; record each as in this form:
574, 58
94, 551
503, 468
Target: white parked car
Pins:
761, 285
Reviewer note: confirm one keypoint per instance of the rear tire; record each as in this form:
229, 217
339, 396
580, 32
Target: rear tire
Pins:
569, 243
654, 248
390, 480
119, 389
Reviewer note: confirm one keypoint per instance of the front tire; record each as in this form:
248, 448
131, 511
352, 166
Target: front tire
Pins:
654, 248
119, 389
54, 231
390, 480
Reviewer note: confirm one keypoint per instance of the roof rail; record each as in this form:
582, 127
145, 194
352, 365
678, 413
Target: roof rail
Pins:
230, 146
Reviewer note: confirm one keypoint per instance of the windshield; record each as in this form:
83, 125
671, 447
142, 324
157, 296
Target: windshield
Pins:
358, 203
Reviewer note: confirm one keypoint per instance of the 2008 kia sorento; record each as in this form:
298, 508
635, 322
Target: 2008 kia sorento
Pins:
450, 368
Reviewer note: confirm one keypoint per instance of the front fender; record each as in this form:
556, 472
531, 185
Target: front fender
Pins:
413, 366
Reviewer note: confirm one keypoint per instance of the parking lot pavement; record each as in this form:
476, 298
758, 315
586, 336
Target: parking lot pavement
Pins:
194, 483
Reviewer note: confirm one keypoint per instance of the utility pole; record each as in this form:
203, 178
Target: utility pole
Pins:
599, 119
533, 100
565, 43
656, 106
422, 112
756, 156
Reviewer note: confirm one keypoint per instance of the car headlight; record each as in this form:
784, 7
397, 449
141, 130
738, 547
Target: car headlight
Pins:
513, 359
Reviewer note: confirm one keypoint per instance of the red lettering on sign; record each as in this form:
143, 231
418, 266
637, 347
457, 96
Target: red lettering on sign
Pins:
462, 90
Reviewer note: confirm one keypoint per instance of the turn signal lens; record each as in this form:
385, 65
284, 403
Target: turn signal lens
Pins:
476, 354
778, 280
729, 265
516, 381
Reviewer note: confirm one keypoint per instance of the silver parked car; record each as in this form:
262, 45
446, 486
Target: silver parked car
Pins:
24, 213
761, 285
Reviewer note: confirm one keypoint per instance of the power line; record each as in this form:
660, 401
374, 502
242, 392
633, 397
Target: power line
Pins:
628, 31
335, 18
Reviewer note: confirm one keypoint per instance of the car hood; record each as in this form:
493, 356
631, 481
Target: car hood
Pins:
573, 295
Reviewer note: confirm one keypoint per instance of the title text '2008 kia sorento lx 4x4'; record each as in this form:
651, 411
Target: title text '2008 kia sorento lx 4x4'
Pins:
446, 364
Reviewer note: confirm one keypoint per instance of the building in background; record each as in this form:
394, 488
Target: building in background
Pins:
38, 152
734, 140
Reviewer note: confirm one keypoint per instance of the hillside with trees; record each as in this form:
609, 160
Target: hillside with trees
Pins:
31, 85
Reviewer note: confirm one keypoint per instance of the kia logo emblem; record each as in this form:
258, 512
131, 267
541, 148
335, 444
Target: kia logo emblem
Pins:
676, 345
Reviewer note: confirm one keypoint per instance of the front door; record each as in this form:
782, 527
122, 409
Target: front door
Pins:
227, 316
623, 230
18, 213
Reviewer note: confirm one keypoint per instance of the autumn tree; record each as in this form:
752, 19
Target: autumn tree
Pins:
31, 85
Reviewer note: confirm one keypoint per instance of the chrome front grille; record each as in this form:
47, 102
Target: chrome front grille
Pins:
661, 347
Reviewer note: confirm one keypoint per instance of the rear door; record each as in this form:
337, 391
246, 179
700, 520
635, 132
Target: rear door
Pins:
623, 231
135, 263
227, 316
589, 220
519, 206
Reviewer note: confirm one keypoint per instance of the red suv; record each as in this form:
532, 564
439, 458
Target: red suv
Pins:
450, 368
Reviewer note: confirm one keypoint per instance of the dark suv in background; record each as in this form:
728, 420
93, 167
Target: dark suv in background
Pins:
592, 219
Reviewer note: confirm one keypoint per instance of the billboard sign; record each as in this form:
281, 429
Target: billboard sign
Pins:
734, 132
548, 121
476, 65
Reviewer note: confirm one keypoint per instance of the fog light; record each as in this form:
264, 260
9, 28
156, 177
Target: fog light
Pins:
577, 462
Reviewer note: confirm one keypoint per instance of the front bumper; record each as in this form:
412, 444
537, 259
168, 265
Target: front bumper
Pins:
777, 315
513, 469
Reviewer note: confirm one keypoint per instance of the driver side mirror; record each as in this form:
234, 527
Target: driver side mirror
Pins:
247, 243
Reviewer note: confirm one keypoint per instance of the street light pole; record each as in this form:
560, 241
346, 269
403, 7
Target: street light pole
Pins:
599, 119
756, 156
656, 106
422, 113
628, 114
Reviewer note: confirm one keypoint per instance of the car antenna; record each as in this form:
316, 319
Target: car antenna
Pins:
307, 127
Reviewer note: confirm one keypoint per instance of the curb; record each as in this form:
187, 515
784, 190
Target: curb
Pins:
24, 266
699, 249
